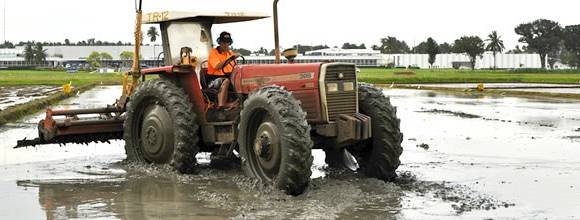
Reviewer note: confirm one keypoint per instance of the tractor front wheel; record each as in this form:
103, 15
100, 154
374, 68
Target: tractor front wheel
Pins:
274, 140
160, 126
378, 156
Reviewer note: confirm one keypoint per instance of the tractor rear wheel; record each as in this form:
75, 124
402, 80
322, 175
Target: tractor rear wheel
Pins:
274, 140
160, 126
378, 156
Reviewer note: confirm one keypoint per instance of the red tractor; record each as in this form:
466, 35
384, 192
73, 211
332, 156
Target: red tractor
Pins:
286, 111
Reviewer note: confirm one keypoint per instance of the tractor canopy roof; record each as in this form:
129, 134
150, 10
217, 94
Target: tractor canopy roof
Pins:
214, 17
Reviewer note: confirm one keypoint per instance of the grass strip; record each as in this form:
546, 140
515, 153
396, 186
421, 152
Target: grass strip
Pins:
16, 112
421, 76
38, 77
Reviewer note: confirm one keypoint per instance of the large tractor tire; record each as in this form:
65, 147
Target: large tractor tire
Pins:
274, 140
378, 156
160, 126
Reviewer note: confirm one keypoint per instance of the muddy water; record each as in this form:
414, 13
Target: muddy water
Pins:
516, 159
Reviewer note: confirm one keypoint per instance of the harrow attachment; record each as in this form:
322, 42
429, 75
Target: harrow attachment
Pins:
79, 126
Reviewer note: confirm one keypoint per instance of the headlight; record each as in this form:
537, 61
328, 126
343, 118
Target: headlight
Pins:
348, 86
332, 87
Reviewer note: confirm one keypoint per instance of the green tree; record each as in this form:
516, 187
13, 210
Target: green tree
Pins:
569, 58
432, 50
353, 46
39, 53
7, 44
445, 48
390, 45
126, 57
243, 52
28, 53
262, 50
542, 36
572, 44
421, 48
306, 48
518, 50
66, 42
94, 59
472, 46
495, 45
106, 56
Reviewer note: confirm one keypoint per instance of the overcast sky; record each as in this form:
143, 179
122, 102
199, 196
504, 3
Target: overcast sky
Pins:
309, 22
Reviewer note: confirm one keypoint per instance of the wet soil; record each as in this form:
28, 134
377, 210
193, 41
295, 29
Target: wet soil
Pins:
13, 95
474, 168
458, 114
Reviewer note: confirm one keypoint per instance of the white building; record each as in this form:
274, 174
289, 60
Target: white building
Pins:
503, 61
61, 55
343, 52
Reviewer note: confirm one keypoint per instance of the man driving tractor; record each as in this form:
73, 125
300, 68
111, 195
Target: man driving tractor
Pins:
221, 63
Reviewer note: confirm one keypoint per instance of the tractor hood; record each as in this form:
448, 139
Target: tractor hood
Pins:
215, 17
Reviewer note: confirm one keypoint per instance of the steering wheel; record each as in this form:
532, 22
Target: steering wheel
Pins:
231, 61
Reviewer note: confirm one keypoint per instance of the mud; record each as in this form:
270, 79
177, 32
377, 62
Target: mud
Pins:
14, 95
458, 114
424, 146
474, 168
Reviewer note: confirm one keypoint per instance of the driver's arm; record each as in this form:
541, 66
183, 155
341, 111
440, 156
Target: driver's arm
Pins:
216, 63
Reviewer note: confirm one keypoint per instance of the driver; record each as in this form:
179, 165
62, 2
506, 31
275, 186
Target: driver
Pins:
218, 70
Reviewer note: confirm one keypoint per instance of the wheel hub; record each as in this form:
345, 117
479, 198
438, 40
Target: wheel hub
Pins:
267, 149
263, 146
151, 138
157, 134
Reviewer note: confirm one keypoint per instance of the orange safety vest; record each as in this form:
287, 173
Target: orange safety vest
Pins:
215, 57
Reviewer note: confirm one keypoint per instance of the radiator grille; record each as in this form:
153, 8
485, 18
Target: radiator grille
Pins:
341, 102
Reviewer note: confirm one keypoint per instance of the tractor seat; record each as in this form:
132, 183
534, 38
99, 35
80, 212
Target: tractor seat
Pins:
204, 79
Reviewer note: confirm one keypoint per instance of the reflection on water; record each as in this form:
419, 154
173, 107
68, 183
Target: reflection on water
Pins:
125, 198
151, 193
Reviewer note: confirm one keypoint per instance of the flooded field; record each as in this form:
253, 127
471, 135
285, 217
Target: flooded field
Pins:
474, 157
524, 87
10, 96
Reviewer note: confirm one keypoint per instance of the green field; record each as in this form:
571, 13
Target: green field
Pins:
37, 77
370, 75
388, 76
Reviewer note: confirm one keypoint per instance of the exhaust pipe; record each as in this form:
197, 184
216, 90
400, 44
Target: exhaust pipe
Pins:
276, 36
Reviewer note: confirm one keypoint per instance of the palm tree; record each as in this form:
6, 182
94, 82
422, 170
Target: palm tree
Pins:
28, 53
152, 33
495, 45
39, 53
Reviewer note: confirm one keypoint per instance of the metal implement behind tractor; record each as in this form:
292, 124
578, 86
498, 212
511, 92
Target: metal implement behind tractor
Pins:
286, 111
